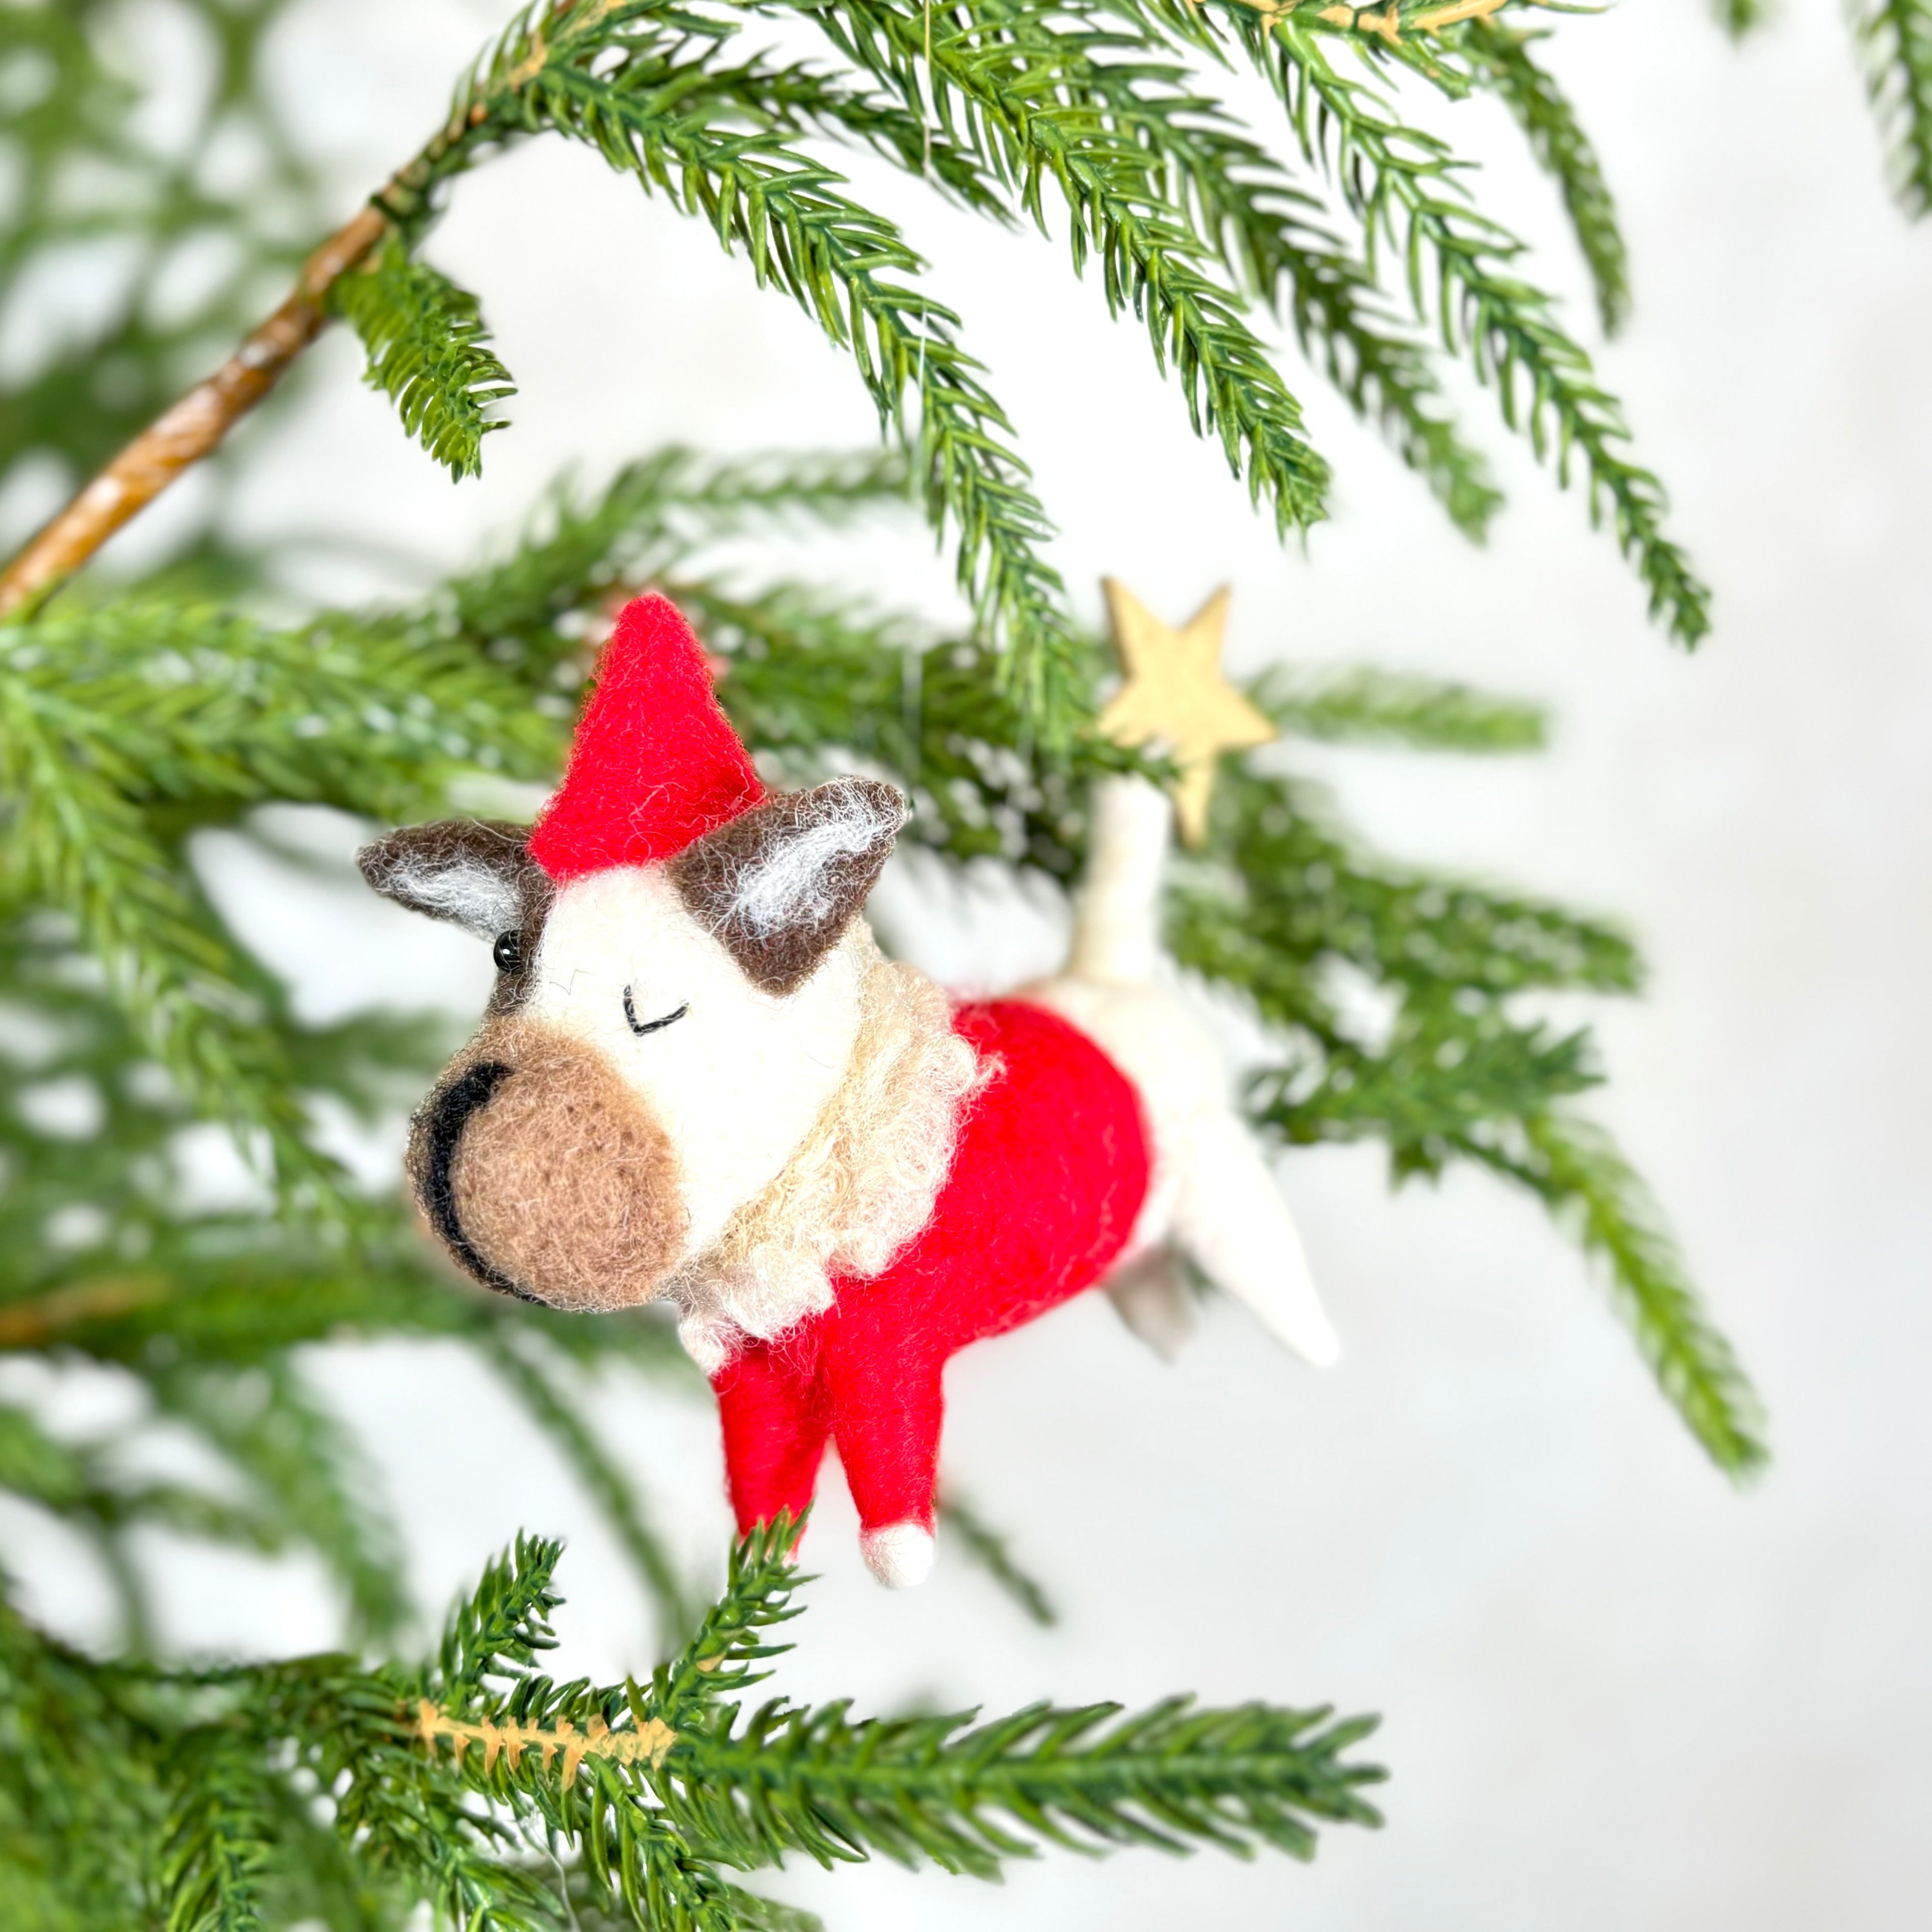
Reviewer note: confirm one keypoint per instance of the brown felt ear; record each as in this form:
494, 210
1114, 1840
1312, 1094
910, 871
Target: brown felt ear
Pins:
476, 873
780, 883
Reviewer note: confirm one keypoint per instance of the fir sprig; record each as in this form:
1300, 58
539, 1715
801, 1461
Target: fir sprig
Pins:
1026, 91
1090, 110
505, 1800
89, 174
645, 85
1401, 184
1573, 1166
1450, 1075
707, 1785
1362, 706
992, 1550
1895, 39
1501, 55
428, 353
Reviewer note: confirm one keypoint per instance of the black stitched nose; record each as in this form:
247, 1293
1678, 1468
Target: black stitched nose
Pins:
449, 1113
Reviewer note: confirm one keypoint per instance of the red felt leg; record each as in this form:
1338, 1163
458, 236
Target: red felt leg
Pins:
775, 1425
886, 1408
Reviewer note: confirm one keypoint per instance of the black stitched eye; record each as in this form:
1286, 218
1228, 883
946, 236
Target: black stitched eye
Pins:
508, 951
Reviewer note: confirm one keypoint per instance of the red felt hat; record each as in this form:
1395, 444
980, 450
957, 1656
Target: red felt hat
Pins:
655, 764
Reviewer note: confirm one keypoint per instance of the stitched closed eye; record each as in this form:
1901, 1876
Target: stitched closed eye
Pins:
641, 1026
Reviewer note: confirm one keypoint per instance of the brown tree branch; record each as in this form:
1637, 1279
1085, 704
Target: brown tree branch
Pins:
192, 427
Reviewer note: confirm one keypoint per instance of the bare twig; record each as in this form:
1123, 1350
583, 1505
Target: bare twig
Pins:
36, 1320
192, 427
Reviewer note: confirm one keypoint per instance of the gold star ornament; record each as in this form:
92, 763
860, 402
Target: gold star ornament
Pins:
1176, 700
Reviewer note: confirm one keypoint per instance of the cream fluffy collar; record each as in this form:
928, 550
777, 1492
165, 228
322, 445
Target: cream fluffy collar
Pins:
861, 1185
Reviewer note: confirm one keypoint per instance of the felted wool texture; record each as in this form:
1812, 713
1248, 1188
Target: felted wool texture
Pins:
474, 873
1151, 1296
654, 764
562, 1185
1117, 920
1212, 1194
780, 882
860, 1187
740, 1078
1049, 1176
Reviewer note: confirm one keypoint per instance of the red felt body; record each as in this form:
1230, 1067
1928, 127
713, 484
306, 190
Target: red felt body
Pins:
1048, 1178
654, 764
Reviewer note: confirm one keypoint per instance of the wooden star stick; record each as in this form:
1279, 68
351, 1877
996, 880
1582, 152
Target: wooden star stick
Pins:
1175, 699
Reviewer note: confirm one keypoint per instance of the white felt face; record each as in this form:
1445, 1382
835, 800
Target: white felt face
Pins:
735, 1076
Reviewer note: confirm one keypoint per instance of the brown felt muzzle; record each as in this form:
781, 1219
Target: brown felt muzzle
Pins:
544, 1174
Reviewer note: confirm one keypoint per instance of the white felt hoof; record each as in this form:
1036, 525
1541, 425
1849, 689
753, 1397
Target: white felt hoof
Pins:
899, 1555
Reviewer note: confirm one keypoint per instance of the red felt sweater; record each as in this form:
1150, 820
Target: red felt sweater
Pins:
1048, 1177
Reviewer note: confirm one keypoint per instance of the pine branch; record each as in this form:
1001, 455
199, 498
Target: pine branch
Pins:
501, 1627
123, 728
603, 1479
577, 555
1400, 184
1028, 83
427, 353
1341, 321
79, 1794
1285, 894
306, 1470
727, 1652
79, 844
179, 438
1895, 39
1576, 1170
991, 1551
84, 1483
662, 1786
74, 118
966, 1799
1370, 707
220, 1845
640, 84
1263, 228
1566, 153
1448, 1074
1444, 1082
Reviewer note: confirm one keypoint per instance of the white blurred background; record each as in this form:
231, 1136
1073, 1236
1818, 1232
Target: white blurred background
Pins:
1617, 1694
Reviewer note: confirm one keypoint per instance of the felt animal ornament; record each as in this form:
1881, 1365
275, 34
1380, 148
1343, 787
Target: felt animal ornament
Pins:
699, 1079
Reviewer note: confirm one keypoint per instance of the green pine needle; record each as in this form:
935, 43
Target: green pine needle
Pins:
1404, 187
428, 354
535, 1386
646, 88
1502, 57
1575, 1169
1371, 707
1895, 38
1293, 917
742, 1791
992, 1551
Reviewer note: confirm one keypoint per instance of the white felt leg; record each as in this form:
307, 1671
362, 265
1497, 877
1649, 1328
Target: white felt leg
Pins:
1232, 1219
900, 1554
1151, 1296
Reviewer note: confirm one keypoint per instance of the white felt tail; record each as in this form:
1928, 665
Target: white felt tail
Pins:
1212, 1196
1117, 919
